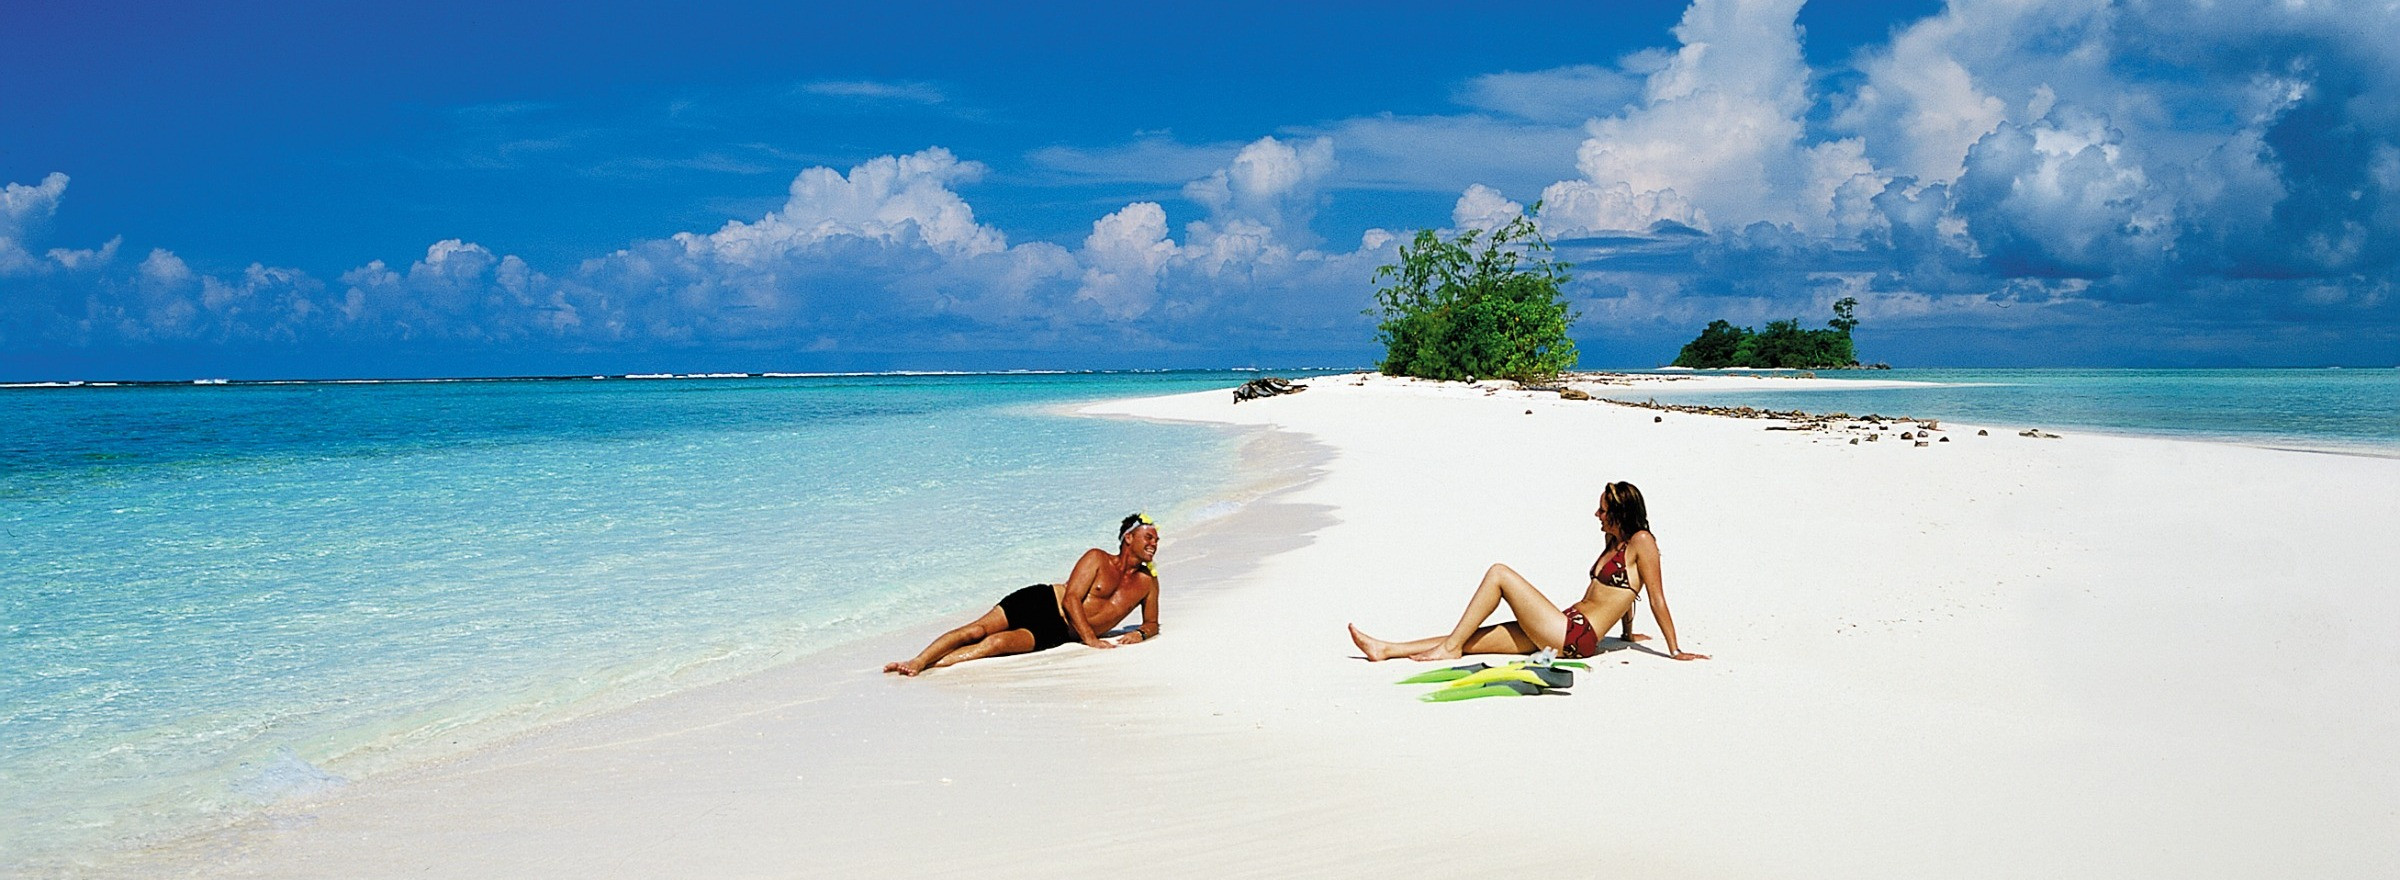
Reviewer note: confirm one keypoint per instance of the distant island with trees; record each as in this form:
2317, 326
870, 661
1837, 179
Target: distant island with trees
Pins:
1782, 345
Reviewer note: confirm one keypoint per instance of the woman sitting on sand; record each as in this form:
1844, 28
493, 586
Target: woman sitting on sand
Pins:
1627, 567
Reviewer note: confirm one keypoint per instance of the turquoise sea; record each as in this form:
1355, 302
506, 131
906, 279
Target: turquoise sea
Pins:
2333, 410
218, 597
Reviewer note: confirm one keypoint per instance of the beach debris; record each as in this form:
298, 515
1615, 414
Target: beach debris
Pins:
1266, 386
2037, 433
1572, 394
1872, 425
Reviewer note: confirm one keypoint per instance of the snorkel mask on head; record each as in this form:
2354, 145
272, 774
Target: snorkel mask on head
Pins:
1135, 521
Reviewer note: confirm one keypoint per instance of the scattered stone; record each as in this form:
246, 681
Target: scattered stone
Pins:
1529, 412
1874, 437
1904, 435
1572, 394
1982, 433
1945, 440
2037, 433
1854, 441
1267, 386
1923, 443
1801, 420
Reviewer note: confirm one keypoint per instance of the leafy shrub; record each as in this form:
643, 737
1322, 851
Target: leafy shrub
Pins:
1476, 306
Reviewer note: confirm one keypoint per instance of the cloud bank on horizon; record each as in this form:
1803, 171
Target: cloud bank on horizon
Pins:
2160, 182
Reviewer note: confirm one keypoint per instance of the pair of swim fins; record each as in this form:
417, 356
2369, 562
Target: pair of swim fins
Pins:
1479, 680
1454, 673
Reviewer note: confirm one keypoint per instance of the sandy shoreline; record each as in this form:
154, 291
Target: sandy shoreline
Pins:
1996, 656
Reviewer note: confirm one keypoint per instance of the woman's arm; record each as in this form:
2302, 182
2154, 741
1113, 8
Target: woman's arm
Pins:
1079, 588
1645, 566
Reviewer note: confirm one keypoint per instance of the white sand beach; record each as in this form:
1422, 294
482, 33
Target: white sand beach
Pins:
1995, 656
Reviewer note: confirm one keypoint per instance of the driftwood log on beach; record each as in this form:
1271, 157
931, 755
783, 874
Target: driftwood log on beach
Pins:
1268, 386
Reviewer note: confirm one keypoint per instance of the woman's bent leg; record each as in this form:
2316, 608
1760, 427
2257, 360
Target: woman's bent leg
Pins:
1506, 638
1379, 650
1538, 624
1536, 618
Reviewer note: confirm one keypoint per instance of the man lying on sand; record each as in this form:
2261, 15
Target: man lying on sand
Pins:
1100, 592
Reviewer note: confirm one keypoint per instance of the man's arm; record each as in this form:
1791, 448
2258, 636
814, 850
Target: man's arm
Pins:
1149, 628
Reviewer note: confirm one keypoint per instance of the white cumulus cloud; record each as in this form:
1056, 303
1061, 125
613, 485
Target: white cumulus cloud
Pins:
1482, 207
1271, 183
1123, 257
21, 207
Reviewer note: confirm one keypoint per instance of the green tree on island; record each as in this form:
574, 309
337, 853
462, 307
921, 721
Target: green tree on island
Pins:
1782, 344
1476, 306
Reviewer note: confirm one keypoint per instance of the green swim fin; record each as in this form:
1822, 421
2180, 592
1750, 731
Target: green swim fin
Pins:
1495, 689
1451, 674
1538, 676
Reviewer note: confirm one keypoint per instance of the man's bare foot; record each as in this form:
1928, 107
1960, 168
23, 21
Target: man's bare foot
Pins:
904, 667
1436, 654
1637, 637
1376, 649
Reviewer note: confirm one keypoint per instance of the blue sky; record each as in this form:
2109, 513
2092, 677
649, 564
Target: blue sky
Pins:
284, 189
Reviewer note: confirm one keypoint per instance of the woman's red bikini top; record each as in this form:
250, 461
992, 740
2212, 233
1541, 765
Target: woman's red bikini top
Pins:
1611, 570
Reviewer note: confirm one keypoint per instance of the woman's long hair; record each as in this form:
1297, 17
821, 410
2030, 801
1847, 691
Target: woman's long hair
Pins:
1627, 512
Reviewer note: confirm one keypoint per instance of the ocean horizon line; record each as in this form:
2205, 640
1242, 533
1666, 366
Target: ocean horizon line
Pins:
653, 376
210, 381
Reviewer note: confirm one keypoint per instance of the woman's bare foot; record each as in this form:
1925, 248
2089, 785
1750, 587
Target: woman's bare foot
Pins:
904, 667
1377, 650
1437, 654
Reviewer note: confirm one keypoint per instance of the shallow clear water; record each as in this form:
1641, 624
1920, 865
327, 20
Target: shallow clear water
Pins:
2347, 410
213, 598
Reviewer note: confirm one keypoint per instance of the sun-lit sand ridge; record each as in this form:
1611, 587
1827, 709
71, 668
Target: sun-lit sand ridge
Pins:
1998, 656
